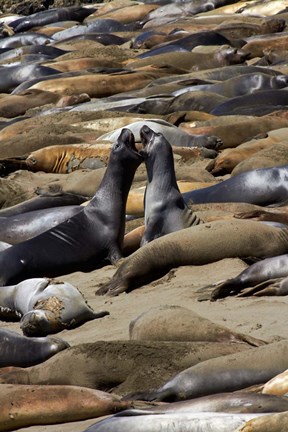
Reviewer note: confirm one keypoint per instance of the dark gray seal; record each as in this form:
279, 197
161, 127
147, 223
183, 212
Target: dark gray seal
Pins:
17, 350
40, 19
16, 229
12, 77
165, 209
45, 306
86, 240
259, 275
44, 200
261, 186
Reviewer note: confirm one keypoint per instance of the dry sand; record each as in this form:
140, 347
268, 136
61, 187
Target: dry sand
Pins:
264, 318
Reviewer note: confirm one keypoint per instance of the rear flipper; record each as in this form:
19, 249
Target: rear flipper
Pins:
271, 287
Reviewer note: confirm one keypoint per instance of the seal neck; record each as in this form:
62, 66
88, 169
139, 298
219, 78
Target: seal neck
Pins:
116, 183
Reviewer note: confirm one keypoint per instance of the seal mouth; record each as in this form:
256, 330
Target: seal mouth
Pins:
128, 139
146, 135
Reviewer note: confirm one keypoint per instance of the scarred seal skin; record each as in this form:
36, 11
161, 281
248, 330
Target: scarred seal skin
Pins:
46, 306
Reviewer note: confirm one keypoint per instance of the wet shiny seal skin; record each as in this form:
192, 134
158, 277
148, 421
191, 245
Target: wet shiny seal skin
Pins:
174, 422
226, 373
261, 186
74, 13
165, 209
45, 306
87, 239
18, 228
17, 350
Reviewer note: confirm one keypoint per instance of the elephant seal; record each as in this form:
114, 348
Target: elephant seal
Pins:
268, 423
60, 159
36, 405
20, 73
227, 373
172, 133
43, 201
116, 364
181, 324
165, 209
87, 239
277, 385
258, 276
38, 19
261, 186
197, 245
16, 229
237, 402
266, 158
45, 306
16, 105
190, 422
231, 157
17, 350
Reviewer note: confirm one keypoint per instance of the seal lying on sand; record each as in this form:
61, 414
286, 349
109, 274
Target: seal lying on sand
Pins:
34, 405
181, 324
45, 306
87, 239
259, 276
17, 350
197, 245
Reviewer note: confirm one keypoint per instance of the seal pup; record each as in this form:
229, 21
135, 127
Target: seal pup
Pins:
21, 351
165, 209
87, 239
46, 306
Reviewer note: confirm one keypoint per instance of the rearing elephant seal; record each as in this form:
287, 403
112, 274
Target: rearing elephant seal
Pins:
87, 239
45, 306
165, 209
